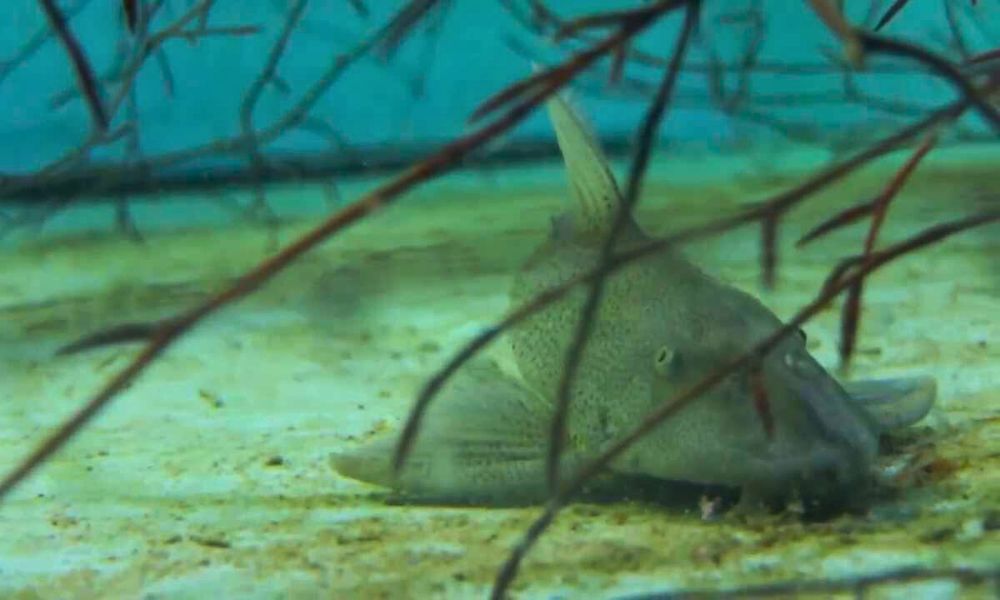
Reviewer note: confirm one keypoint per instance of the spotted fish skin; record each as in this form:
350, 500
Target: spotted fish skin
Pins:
662, 325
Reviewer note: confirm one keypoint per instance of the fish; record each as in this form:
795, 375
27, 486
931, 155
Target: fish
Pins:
662, 324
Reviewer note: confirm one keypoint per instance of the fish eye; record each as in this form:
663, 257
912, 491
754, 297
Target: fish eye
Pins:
667, 360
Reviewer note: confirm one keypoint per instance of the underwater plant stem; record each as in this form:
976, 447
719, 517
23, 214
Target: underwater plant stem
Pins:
403, 23
29, 49
892, 190
890, 13
845, 217
623, 216
631, 23
81, 65
442, 161
775, 207
270, 66
250, 99
604, 19
829, 11
850, 320
131, 71
941, 66
675, 404
359, 7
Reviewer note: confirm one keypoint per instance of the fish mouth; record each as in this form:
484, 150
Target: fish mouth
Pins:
822, 477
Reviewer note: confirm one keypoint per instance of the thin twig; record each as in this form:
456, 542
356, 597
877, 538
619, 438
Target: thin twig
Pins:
403, 23
829, 11
33, 45
81, 65
359, 7
249, 104
939, 65
843, 218
890, 14
631, 22
850, 319
131, 10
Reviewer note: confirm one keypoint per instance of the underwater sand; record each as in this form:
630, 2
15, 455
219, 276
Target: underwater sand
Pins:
210, 477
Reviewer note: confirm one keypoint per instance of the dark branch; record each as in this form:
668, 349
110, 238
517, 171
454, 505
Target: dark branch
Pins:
81, 66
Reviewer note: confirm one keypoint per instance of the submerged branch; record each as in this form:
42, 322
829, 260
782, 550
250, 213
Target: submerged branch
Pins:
81, 65
631, 24
850, 318
938, 65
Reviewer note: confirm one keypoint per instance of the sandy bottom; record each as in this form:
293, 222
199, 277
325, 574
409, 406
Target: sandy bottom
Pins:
210, 477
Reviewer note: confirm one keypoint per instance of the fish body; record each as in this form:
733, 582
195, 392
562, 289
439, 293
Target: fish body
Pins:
662, 325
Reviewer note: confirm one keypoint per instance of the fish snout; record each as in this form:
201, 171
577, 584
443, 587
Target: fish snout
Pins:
826, 407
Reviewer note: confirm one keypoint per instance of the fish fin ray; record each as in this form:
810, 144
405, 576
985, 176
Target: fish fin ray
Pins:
483, 439
894, 403
591, 181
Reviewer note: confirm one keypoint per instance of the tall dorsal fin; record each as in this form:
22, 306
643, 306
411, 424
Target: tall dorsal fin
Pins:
593, 186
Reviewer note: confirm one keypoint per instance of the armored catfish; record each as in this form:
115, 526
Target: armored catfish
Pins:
661, 326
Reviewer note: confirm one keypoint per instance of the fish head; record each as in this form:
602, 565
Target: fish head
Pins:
778, 425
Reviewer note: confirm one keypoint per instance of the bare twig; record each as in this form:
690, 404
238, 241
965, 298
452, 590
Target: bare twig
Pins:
131, 9
35, 43
971, 96
890, 14
851, 314
81, 65
403, 23
635, 21
359, 7
937, 64
845, 217
829, 11
251, 98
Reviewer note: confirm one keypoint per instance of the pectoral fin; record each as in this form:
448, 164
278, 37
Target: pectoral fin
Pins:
483, 440
894, 403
